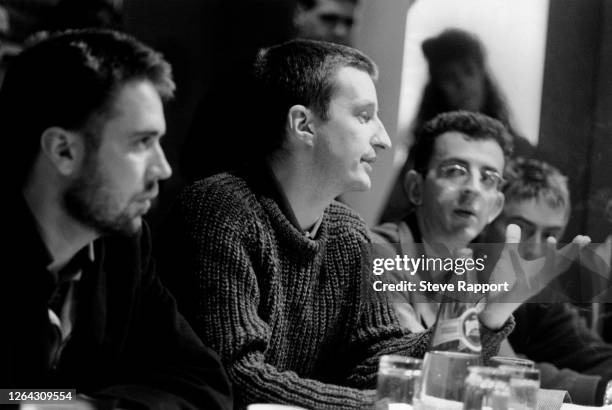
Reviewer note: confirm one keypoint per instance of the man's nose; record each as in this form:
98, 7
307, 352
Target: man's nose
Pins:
160, 167
473, 182
381, 138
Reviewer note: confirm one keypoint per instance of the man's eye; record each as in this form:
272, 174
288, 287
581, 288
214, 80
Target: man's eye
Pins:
145, 142
364, 117
330, 19
491, 179
453, 171
546, 234
527, 230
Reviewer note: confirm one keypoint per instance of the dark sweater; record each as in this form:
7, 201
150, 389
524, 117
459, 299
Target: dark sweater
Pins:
292, 318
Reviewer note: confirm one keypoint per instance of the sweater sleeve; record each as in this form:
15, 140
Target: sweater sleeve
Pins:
379, 333
229, 317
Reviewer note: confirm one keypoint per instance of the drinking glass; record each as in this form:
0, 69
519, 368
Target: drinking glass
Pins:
443, 381
486, 388
398, 379
524, 387
608, 394
497, 361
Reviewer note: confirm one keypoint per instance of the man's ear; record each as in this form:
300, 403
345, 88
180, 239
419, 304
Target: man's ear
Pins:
64, 149
498, 207
413, 186
299, 121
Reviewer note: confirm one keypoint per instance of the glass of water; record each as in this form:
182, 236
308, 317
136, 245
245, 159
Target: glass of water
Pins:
398, 379
524, 387
497, 361
487, 388
443, 381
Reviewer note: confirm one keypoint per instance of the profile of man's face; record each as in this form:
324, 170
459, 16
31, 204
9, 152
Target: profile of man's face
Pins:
328, 20
459, 194
118, 179
348, 141
537, 219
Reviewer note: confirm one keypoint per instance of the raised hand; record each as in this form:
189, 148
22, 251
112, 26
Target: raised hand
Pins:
525, 278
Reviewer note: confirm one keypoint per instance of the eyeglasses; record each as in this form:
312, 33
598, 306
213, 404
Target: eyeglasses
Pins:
459, 174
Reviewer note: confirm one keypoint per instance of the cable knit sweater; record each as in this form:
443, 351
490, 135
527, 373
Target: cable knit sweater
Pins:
292, 318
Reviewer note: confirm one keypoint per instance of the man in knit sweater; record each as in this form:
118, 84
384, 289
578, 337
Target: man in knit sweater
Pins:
269, 269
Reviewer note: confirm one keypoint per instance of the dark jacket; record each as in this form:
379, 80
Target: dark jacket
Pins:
570, 355
129, 344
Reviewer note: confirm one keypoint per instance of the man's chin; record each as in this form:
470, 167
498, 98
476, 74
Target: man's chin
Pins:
467, 233
126, 227
361, 184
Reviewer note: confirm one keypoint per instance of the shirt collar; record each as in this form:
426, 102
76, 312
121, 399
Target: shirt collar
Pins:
74, 269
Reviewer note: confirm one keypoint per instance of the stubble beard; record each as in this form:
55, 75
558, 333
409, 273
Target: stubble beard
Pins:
90, 201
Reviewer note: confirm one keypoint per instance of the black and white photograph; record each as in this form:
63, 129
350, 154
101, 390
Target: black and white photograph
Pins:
306, 204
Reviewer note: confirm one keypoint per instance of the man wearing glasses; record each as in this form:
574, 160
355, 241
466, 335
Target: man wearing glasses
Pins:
455, 188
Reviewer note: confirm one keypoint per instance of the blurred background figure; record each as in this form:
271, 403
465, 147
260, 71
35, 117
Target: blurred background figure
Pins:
19, 19
7, 48
328, 20
458, 80
84, 13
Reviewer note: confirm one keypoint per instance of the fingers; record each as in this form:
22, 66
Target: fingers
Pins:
571, 249
560, 260
581, 240
513, 233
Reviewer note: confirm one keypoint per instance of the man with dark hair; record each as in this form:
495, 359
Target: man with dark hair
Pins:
326, 20
456, 188
82, 306
278, 278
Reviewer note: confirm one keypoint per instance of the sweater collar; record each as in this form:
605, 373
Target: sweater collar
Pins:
267, 183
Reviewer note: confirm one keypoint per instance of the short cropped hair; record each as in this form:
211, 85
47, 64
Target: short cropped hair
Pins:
299, 72
474, 125
533, 179
70, 79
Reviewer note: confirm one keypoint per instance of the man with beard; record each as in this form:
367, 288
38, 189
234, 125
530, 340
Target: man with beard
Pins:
82, 307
